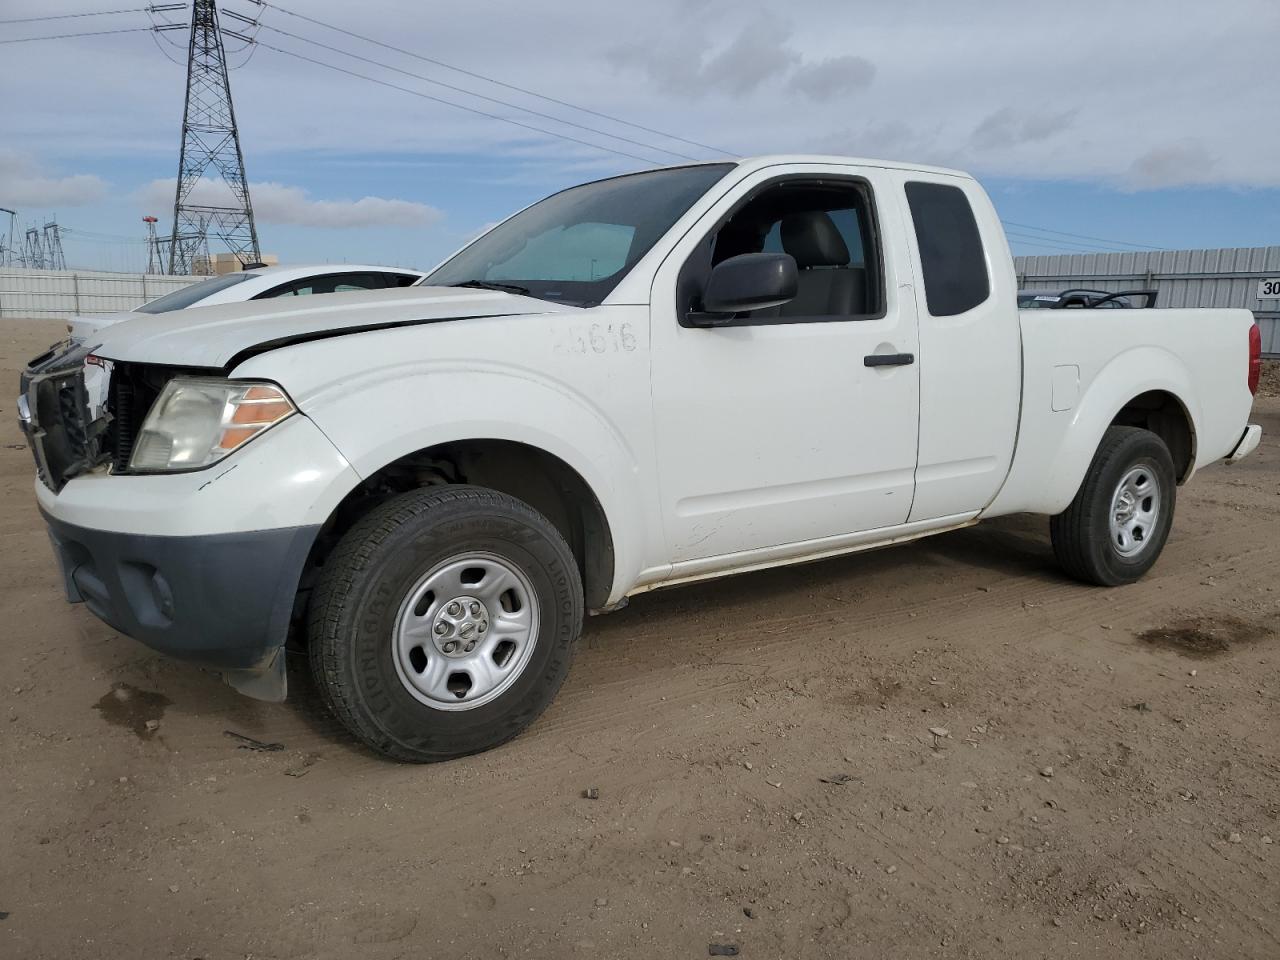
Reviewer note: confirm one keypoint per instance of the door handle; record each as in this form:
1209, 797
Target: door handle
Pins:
888, 359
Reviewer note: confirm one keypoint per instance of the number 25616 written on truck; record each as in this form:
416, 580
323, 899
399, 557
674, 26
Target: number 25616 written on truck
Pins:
639, 382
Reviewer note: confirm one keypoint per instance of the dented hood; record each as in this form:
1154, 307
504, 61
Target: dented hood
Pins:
218, 336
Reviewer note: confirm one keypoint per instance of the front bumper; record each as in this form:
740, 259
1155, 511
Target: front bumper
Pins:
222, 600
203, 565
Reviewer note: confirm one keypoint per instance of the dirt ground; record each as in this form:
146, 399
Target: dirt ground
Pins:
1102, 778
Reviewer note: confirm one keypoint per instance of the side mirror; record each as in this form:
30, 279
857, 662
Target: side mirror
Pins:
749, 281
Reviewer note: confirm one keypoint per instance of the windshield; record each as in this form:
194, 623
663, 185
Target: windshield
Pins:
577, 245
185, 297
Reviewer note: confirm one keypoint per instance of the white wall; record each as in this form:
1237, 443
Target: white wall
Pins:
58, 294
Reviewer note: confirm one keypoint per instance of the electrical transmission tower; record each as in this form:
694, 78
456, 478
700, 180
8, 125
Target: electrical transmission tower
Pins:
42, 248
33, 250
53, 255
155, 263
210, 144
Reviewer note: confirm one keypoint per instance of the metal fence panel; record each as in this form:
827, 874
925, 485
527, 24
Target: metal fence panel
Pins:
58, 294
1183, 278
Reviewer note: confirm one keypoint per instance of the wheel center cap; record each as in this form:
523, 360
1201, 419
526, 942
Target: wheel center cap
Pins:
461, 624
1125, 508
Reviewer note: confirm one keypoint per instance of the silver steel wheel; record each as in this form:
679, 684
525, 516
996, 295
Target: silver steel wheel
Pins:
1135, 511
465, 631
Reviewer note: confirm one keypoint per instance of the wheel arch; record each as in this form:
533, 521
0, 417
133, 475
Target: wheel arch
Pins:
531, 474
1158, 399
1164, 414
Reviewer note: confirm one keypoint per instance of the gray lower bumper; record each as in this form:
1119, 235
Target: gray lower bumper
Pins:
222, 600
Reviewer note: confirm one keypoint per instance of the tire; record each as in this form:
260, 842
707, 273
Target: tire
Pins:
1130, 462
456, 565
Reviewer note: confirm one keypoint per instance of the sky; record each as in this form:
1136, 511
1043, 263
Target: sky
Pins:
1094, 125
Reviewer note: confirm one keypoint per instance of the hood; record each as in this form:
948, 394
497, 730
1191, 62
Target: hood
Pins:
81, 326
214, 337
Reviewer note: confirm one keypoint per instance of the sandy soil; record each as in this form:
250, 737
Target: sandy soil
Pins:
1103, 778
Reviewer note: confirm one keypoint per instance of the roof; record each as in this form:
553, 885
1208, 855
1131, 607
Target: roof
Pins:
314, 269
772, 160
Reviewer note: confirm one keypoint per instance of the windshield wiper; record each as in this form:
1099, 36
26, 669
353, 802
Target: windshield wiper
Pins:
493, 285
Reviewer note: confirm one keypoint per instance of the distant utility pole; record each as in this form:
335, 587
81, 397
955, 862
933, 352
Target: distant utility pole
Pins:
6, 247
155, 263
210, 143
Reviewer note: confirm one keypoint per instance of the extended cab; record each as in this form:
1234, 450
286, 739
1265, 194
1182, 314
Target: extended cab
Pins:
643, 381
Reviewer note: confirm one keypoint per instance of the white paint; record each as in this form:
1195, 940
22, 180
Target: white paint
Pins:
290, 476
970, 374
1066, 387
775, 433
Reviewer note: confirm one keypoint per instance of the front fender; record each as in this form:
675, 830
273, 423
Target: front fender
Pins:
376, 419
1055, 448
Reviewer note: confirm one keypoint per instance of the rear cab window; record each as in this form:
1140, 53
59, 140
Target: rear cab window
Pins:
952, 257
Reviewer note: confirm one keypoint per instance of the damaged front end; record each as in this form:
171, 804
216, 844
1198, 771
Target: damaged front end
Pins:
65, 424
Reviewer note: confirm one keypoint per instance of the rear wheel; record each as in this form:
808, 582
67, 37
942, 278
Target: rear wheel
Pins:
444, 622
1113, 531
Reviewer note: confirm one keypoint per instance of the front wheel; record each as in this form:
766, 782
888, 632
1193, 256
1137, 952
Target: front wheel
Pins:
444, 622
1118, 523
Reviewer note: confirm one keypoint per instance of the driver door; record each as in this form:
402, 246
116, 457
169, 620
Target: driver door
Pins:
777, 430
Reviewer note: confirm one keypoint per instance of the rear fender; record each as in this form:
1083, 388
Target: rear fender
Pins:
1055, 449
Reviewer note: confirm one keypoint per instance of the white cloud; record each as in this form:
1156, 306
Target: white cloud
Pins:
24, 183
278, 203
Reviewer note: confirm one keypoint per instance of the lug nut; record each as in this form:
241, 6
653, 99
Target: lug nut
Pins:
442, 628
484, 625
454, 609
475, 609
470, 646
450, 647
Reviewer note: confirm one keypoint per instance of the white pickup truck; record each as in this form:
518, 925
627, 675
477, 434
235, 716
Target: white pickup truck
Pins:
643, 381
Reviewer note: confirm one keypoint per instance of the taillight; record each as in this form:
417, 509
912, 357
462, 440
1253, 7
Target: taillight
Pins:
1255, 358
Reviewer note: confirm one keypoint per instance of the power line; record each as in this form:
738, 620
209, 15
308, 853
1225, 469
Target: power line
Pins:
96, 236
1016, 240
1064, 251
460, 106
1063, 244
73, 16
155, 38
481, 96
67, 36
1081, 236
509, 86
